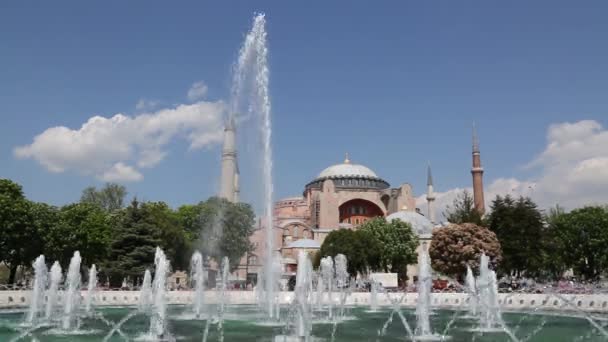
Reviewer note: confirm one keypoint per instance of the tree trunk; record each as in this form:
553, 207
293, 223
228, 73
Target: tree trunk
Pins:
12, 273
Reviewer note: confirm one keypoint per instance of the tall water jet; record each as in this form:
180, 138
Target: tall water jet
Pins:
320, 290
327, 273
373, 298
159, 287
472, 290
342, 279
37, 296
91, 287
51, 294
72, 294
303, 292
224, 272
145, 293
251, 71
198, 278
489, 311
425, 283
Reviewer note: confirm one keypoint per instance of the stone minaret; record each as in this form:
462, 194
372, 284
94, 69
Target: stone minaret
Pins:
229, 186
430, 196
477, 172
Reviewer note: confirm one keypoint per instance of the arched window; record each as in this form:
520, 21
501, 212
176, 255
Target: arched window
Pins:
296, 232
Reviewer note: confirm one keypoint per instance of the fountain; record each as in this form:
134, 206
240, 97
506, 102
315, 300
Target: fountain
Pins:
327, 274
37, 297
51, 294
145, 293
251, 73
158, 320
91, 288
319, 290
198, 278
373, 297
342, 282
489, 312
303, 293
423, 330
225, 271
71, 300
472, 290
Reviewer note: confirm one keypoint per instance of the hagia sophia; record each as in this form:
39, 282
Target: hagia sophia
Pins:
342, 196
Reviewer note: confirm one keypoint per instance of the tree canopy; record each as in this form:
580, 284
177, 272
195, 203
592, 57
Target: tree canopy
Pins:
583, 236
121, 241
20, 243
110, 198
457, 245
462, 210
361, 250
518, 224
397, 242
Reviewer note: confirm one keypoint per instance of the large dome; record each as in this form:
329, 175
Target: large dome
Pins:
347, 170
349, 176
420, 224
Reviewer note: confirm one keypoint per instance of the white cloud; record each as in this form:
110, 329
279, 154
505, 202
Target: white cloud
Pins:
573, 170
144, 104
121, 173
104, 147
197, 91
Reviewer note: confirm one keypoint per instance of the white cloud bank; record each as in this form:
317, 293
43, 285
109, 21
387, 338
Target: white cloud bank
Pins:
116, 148
573, 170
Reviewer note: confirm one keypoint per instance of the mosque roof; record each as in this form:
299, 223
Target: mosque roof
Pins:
420, 224
349, 175
304, 243
347, 169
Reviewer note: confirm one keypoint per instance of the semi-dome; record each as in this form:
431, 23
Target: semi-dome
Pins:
420, 224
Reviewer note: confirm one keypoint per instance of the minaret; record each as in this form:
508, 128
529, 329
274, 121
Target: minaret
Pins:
229, 178
430, 195
477, 172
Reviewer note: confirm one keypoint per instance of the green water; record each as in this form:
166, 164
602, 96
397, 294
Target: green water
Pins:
361, 325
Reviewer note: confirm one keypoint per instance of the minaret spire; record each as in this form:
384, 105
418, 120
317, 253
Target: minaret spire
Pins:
430, 195
477, 172
229, 184
475, 139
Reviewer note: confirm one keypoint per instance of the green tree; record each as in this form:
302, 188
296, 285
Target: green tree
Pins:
111, 197
172, 236
189, 218
463, 210
80, 227
457, 245
133, 246
518, 224
552, 247
225, 229
397, 245
359, 246
584, 232
20, 242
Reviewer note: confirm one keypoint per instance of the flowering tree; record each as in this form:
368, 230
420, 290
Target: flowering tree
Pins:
458, 245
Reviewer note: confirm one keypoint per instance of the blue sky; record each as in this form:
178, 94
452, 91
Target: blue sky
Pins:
395, 84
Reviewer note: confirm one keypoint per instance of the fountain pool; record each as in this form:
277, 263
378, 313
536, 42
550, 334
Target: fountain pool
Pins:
240, 324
